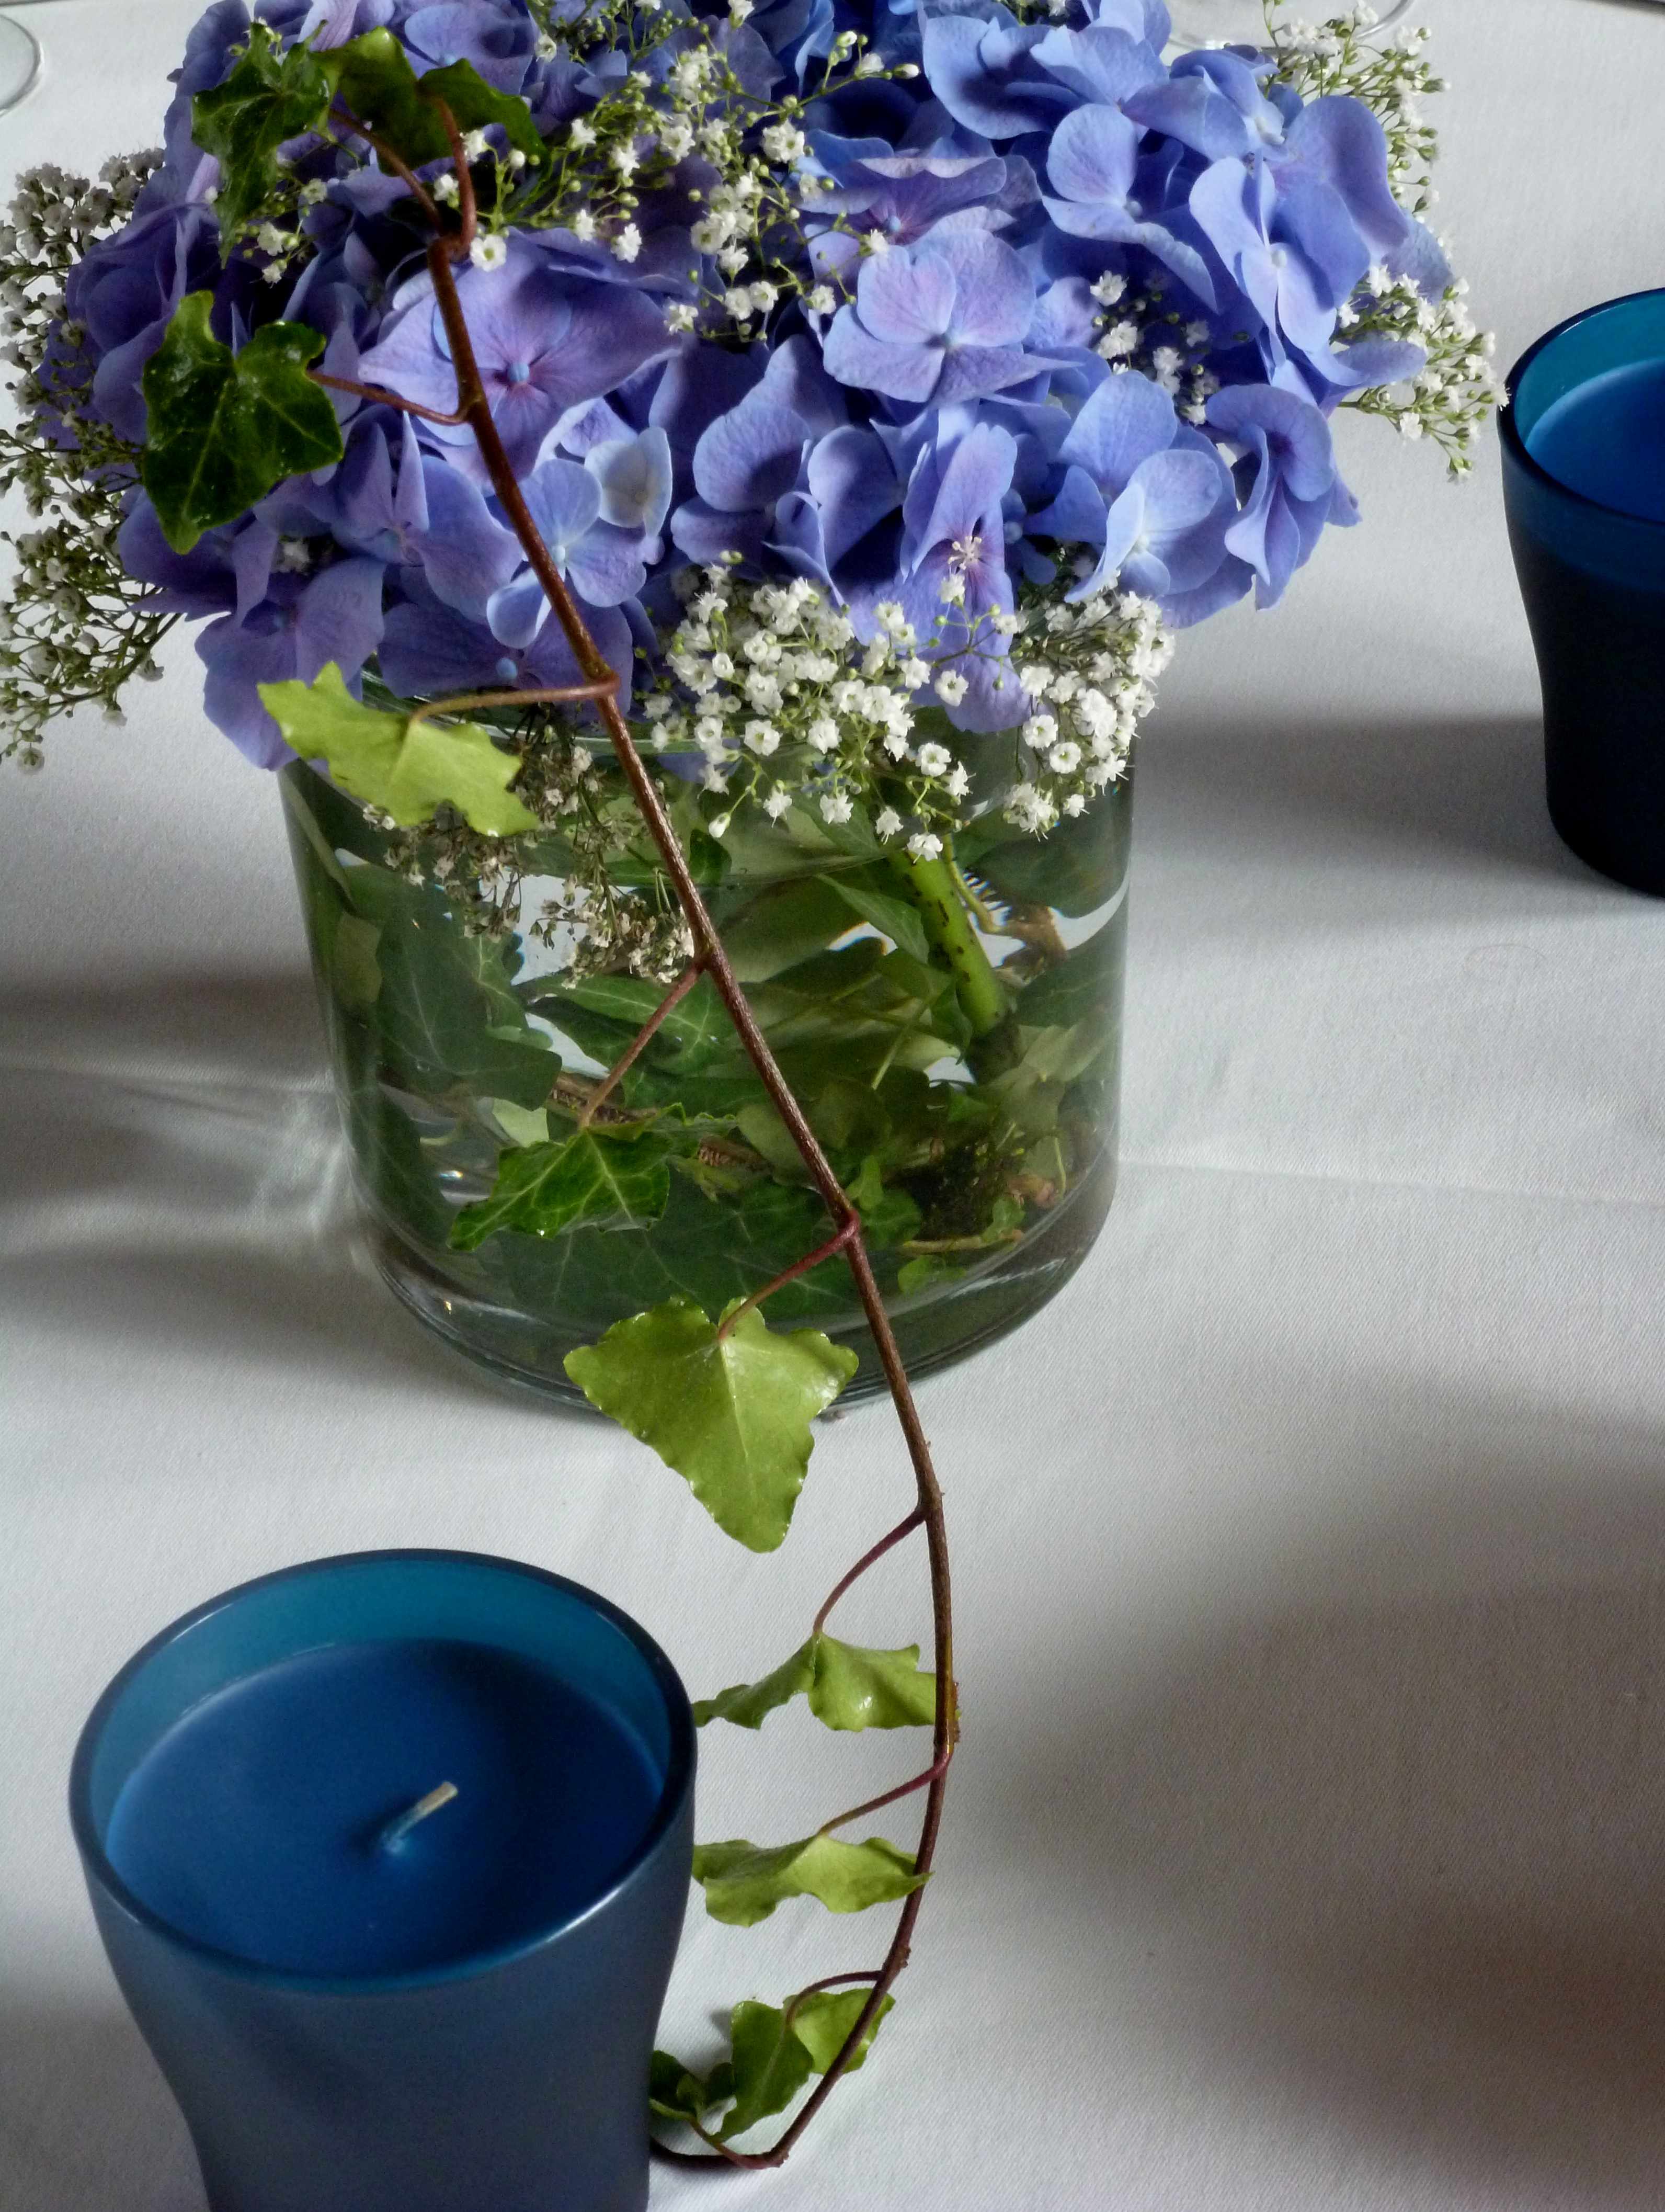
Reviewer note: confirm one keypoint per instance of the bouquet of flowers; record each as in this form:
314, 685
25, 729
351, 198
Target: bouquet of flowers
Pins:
694, 496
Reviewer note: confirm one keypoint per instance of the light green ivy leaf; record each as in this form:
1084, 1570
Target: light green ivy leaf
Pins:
823, 2023
616, 1176
731, 1414
744, 1883
406, 769
225, 428
848, 1687
773, 2059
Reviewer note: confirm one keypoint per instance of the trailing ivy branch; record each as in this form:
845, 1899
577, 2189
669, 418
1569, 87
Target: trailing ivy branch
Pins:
725, 1401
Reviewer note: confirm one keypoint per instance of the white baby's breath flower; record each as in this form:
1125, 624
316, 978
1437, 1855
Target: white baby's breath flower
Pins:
835, 807
935, 759
489, 251
925, 844
887, 823
628, 243
777, 804
950, 687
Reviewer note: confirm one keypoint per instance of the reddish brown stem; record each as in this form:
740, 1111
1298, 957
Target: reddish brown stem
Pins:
554, 694
467, 212
868, 1560
887, 1798
851, 1226
384, 398
423, 197
709, 950
639, 1043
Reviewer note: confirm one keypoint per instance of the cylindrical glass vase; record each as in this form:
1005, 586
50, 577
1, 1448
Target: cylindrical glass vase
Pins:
952, 1029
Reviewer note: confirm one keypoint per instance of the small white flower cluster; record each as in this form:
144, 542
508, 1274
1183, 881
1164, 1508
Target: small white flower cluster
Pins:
1454, 396
635, 139
1319, 59
1090, 670
770, 682
602, 927
1142, 331
789, 708
75, 629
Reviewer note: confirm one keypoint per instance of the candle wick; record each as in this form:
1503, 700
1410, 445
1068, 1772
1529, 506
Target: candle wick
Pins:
395, 1830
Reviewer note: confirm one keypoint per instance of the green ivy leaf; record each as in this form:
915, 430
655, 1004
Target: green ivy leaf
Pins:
823, 2023
771, 2064
226, 428
848, 1687
772, 2060
595, 1176
676, 2092
692, 1036
899, 922
857, 1688
373, 76
731, 1414
406, 770
744, 1883
271, 95
447, 1014
748, 1704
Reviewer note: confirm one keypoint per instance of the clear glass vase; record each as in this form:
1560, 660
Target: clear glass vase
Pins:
953, 1028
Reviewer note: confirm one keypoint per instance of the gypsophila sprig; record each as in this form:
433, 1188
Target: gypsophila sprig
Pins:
1452, 399
75, 627
1338, 57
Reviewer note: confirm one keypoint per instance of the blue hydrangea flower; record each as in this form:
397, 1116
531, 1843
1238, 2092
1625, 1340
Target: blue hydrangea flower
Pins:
937, 323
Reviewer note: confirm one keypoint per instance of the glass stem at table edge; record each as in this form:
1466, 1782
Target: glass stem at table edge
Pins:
711, 957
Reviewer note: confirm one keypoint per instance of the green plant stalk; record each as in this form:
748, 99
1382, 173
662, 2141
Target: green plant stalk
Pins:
935, 889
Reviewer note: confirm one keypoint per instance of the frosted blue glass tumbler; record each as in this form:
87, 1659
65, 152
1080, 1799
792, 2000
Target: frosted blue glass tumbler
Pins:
390, 1854
1583, 457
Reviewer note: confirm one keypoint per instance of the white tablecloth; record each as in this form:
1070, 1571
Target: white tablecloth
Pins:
1305, 1851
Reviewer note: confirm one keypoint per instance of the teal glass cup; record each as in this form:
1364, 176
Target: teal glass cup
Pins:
1583, 457
365, 2005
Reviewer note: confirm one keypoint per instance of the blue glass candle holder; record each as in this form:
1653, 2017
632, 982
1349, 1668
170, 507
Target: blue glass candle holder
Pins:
1583, 447
390, 1854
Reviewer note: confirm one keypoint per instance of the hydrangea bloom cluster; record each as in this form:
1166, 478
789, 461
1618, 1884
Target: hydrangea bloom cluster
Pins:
881, 378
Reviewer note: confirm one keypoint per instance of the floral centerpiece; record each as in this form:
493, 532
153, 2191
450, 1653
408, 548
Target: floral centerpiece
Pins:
694, 501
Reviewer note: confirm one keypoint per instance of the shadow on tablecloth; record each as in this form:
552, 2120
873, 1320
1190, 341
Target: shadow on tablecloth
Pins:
176, 1177
1334, 792
1398, 1865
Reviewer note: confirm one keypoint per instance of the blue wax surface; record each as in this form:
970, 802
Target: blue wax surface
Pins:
253, 1825
1607, 439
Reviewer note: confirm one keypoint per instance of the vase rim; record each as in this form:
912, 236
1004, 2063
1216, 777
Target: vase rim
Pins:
673, 1794
1509, 429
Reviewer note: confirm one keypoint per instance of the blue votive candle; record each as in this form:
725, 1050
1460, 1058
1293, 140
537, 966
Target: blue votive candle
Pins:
390, 1854
1584, 443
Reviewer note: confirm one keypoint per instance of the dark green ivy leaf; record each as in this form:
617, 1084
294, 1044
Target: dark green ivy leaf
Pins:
269, 97
594, 1178
374, 78
848, 1687
744, 1883
731, 1414
226, 428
